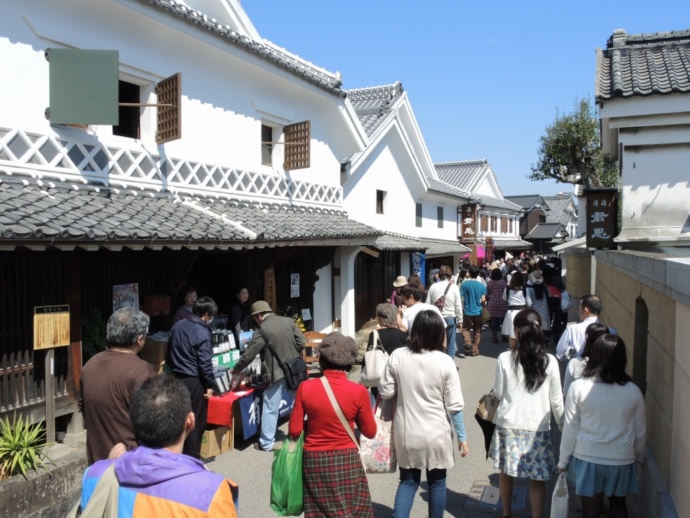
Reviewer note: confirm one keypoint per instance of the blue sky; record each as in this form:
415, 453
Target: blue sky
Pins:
484, 78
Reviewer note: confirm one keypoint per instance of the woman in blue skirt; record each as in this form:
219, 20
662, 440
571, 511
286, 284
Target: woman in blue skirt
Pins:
604, 431
528, 384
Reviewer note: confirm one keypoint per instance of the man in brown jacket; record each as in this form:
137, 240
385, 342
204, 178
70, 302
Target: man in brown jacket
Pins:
287, 342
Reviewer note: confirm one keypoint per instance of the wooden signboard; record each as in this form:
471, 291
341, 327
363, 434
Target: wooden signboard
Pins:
270, 295
489, 250
51, 327
468, 225
602, 217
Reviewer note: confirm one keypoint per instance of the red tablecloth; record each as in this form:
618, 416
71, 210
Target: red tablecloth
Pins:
220, 407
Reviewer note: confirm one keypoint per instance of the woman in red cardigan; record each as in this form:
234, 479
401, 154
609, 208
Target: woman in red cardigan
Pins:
335, 484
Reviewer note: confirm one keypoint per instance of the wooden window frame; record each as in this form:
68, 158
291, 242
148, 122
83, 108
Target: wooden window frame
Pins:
483, 223
169, 118
297, 141
267, 144
504, 224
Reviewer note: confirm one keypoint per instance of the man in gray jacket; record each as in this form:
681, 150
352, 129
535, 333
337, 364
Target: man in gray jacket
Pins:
287, 342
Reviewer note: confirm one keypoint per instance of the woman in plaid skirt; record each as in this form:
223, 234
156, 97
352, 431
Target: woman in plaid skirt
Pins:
335, 484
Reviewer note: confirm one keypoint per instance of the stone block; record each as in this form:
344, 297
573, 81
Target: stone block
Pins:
660, 370
682, 349
659, 430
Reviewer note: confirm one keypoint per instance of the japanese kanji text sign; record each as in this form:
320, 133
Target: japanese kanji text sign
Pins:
602, 217
468, 218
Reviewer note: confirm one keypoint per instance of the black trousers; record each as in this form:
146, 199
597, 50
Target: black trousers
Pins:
192, 444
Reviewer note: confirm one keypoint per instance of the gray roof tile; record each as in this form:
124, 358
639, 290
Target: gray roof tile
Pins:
561, 209
546, 231
462, 175
373, 104
643, 64
525, 200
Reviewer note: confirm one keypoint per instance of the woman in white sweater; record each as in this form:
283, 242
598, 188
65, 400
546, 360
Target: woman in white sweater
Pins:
427, 386
528, 385
605, 430
576, 365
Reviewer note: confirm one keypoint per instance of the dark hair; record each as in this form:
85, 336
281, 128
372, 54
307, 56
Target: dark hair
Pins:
158, 410
607, 360
428, 332
592, 303
593, 332
462, 275
188, 288
474, 271
413, 290
517, 282
530, 351
204, 306
539, 290
414, 278
124, 326
496, 274
445, 272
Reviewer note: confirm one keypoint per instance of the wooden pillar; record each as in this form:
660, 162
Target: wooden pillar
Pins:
72, 265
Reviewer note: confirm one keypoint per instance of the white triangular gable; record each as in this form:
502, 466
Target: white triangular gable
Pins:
225, 12
488, 185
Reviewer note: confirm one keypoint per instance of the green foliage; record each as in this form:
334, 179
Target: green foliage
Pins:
93, 335
570, 151
21, 446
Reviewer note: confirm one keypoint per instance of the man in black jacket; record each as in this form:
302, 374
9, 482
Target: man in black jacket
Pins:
189, 357
287, 342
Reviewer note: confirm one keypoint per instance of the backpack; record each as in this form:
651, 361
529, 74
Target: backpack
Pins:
566, 301
439, 302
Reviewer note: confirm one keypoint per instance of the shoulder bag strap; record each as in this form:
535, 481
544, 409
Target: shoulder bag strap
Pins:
447, 288
270, 347
377, 339
338, 411
104, 499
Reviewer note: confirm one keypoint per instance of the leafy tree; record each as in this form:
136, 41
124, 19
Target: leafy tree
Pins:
570, 151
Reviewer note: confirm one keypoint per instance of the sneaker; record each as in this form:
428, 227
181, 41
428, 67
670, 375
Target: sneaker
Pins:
257, 446
460, 355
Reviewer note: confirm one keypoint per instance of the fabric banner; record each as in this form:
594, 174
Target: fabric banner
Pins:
250, 411
419, 265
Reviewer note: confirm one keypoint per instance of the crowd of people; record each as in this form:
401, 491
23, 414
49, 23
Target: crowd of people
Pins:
138, 421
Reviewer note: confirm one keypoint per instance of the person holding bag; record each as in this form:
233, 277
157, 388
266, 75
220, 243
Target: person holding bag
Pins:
335, 484
427, 386
387, 337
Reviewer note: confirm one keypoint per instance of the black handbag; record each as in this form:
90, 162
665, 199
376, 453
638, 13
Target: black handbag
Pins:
294, 369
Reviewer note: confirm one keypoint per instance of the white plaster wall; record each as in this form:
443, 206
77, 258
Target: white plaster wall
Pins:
680, 440
227, 92
323, 300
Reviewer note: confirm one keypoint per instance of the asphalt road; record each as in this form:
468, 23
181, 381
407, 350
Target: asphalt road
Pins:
251, 469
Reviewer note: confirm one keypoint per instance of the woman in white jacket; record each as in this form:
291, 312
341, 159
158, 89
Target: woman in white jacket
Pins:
528, 385
605, 430
427, 387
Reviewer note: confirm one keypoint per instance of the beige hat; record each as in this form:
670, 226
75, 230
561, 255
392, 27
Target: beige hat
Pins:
400, 281
261, 306
536, 277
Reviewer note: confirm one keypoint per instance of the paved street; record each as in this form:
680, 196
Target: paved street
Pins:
252, 469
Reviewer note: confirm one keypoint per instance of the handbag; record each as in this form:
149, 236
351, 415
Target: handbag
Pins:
287, 497
439, 302
378, 453
294, 369
559, 500
343, 421
104, 499
486, 410
374, 364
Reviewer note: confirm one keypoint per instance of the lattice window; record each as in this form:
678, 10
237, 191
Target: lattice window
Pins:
297, 138
169, 91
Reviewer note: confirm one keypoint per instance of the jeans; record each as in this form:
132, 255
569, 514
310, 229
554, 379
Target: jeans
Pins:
269, 414
409, 482
450, 336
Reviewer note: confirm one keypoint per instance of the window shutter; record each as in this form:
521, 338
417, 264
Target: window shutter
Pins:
484, 219
169, 91
504, 225
297, 139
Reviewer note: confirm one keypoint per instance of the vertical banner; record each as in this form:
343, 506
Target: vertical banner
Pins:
270, 287
419, 264
602, 217
468, 223
294, 285
489, 250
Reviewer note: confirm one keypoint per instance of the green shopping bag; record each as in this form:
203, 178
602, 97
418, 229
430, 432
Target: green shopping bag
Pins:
286, 478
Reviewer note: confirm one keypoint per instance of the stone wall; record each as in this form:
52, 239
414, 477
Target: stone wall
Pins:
579, 274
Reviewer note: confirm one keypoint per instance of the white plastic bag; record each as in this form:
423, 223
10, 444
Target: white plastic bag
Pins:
374, 364
559, 500
566, 301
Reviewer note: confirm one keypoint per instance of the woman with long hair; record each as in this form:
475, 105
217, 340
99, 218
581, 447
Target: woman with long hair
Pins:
335, 484
605, 430
536, 296
429, 398
528, 385
576, 365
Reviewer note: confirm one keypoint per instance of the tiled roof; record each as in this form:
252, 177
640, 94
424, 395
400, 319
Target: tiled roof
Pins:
445, 188
490, 201
437, 248
397, 242
560, 210
462, 175
643, 64
525, 201
62, 216
546, 231
373, 104
264, 50
511, 244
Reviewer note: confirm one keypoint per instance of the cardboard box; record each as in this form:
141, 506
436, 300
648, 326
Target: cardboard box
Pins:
216, 441
154, 351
